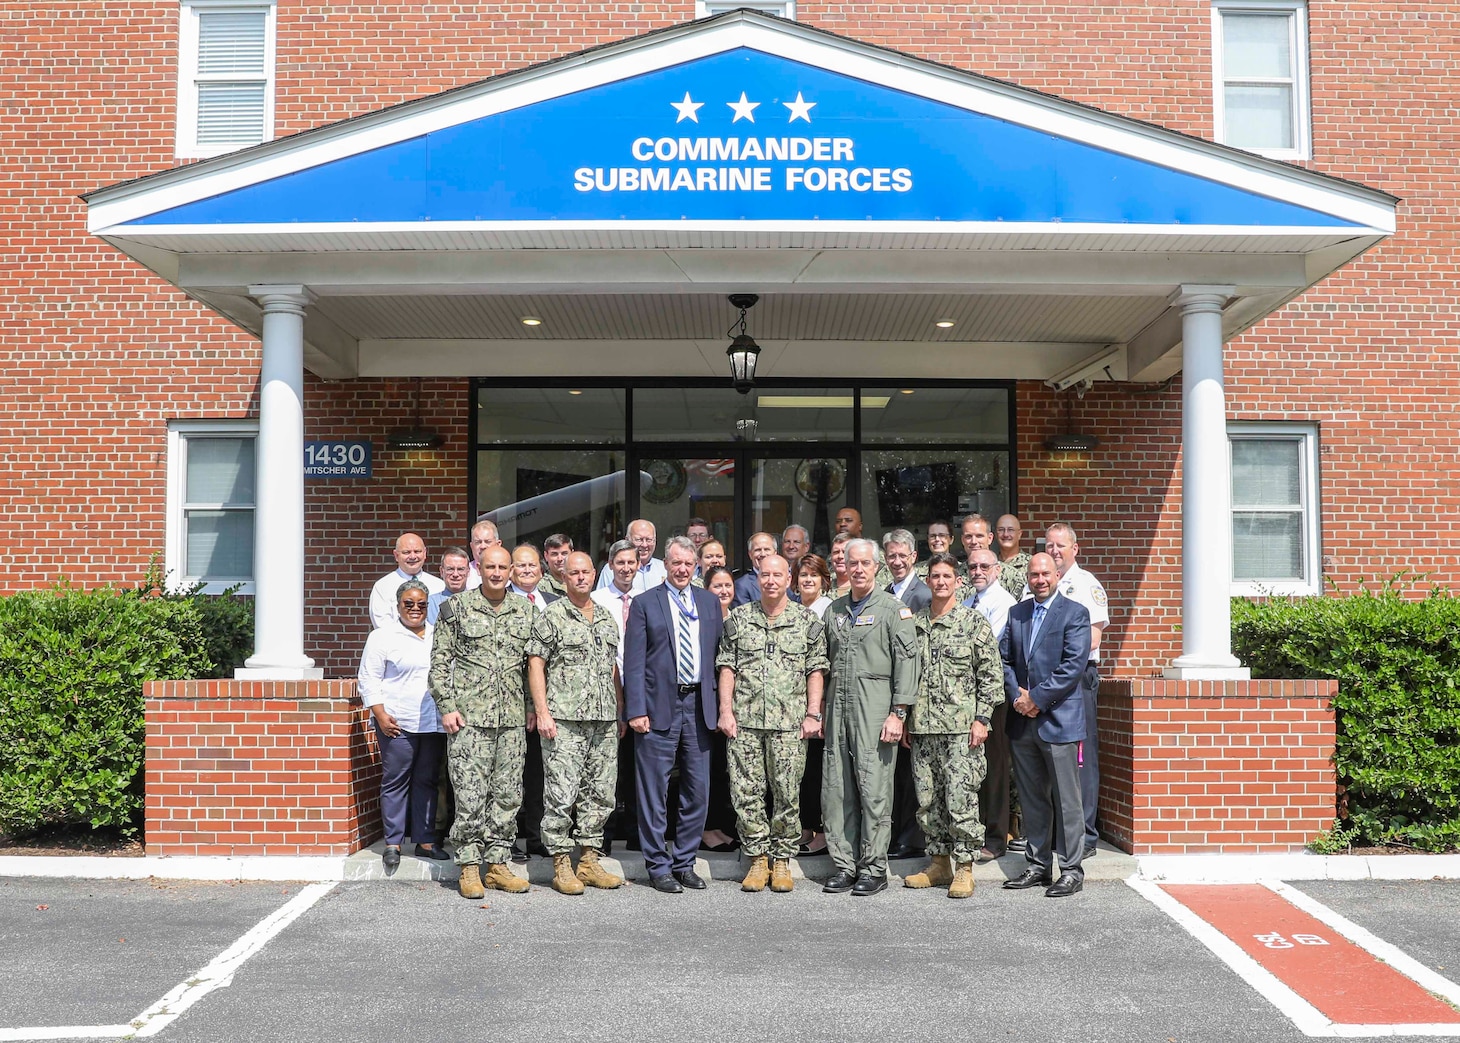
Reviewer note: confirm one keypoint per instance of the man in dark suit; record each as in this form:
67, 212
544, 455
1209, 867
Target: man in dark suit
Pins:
670, 705
900, 548
527, 580
747, 587
1045, 649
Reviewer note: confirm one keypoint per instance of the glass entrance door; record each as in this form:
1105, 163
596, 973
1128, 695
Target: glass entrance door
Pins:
739, 490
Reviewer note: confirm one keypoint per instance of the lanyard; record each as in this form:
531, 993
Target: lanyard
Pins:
676, 599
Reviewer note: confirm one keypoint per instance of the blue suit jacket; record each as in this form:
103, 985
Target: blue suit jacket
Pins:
1051, 670
650, 675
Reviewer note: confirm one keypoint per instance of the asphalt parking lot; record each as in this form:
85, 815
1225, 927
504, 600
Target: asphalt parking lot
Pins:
379, 960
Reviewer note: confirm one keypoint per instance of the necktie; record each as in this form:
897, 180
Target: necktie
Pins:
1036, 623
626, 608
686, 645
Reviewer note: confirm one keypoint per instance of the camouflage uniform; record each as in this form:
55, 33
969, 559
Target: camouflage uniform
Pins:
1014, 573
874, 665
962, 679
963, 590
580, 765
771, 658
478, 669
553, 584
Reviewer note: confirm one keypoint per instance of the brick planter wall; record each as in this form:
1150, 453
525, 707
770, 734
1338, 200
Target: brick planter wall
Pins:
1203, 766
259, 768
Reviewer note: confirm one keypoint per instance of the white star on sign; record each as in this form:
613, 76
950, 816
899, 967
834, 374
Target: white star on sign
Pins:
800, 108
744, 108
689, 110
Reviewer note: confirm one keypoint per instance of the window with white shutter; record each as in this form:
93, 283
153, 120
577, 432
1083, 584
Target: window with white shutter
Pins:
1260, 73
225, 76
211, 490
1274, 509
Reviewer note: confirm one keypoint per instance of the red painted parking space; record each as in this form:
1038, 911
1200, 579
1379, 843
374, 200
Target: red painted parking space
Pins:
1344, 982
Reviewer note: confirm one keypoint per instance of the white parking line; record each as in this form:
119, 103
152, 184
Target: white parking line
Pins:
216, 975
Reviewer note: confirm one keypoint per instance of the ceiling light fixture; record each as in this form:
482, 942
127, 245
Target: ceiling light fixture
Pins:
531, 320
944, 324
743, 350
416, 436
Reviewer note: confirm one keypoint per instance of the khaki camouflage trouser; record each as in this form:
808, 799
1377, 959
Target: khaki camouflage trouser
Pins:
486, 772
947, 775
580, 771
764, 761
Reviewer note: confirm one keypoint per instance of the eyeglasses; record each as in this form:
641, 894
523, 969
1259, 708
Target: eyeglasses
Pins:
980, 568
413, 604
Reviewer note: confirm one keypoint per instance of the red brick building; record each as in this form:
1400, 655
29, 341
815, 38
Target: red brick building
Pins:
135, 371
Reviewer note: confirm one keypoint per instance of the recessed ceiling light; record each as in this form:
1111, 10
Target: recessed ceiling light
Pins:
575, 391
907, 391
531, 320
944, 324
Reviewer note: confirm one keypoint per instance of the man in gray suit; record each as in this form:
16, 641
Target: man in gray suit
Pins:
1045, 648
900, 548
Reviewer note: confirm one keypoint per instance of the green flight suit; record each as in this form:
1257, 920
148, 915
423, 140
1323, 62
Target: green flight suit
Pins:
874, 666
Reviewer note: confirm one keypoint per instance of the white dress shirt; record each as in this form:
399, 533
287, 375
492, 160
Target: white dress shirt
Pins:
610, 599
382, 596
538, 601
675, 611
648, 576
993, 604
819, 606
394, 670
899, 586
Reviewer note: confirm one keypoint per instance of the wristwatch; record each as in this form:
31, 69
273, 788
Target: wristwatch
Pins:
900, 712
815, 717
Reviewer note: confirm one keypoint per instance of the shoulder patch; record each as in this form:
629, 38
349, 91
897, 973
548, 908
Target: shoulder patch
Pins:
904, 613
1097, 594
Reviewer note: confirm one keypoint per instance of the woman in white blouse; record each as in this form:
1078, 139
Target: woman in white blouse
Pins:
813, 577
393, 672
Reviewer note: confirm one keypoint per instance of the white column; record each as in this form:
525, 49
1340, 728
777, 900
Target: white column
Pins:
278, 542
1206, 493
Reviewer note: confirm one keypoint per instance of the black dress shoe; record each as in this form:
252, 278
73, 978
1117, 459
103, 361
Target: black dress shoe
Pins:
867, 884
434, 852
390, 857
538, 848
905, 851
841, 882
1031, 877
518, 853
1066, 885
988, 854
1090, 851
1019, 844
668, 884
690, 879
804, 851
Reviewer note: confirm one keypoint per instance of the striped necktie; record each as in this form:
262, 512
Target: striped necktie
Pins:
686, 645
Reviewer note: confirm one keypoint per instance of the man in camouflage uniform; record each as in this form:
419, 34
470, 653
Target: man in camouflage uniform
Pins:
572, 672
555, 551
962, 680
772, 666
1013, 562
872, 648
477, 670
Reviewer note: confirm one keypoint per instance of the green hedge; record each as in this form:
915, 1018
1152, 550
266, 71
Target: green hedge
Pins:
72, 666
1397, 661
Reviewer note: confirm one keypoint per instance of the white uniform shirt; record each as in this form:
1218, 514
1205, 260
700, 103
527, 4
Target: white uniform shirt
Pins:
648, 576
610, 599
382, 597
393, 671
1079, 586
993, 604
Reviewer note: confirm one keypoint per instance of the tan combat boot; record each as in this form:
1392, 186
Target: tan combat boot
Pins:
962, 886
470, 884
939, 873
759, 875
564, 882
500, 878
592, 873
781, 875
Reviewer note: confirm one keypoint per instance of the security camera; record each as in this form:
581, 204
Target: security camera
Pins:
1102, 365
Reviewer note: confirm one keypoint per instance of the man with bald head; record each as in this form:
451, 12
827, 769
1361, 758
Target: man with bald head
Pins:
772, 664
650, 573
1013, 559
747, 588
1046, 648
410, 563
